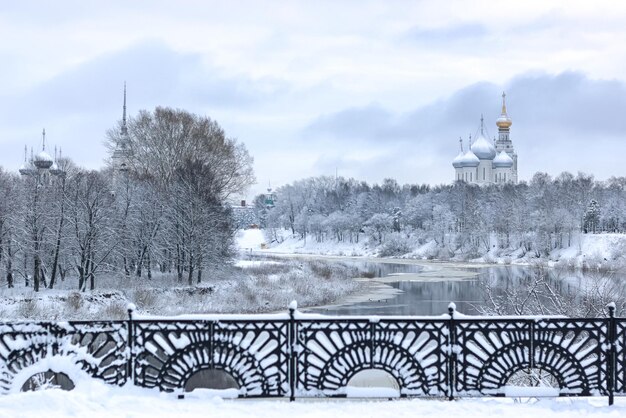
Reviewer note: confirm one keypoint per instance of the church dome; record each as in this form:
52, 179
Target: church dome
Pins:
504, 121
55, 170
457, 162
43, 160
483, 149
503, 160
469, 159
27, 169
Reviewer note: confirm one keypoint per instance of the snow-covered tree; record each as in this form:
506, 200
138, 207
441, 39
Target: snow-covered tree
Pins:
592, 217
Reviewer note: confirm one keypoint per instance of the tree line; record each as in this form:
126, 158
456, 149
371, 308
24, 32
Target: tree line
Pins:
165, 212
533, 217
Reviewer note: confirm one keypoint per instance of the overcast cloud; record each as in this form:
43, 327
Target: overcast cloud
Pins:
364, 89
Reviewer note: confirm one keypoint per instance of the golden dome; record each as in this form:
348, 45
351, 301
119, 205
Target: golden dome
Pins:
504, 121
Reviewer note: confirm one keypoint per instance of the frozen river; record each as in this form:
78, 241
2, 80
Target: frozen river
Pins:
407, 287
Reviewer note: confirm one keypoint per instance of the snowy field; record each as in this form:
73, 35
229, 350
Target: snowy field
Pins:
95, 399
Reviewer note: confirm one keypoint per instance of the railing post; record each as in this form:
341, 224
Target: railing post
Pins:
292, 350
451, 351
612, 336
373, 323
130, 368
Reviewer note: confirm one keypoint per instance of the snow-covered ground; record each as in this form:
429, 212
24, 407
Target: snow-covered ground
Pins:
589, 251
251, 285
93, 399
292, 244
250, 239
593, 250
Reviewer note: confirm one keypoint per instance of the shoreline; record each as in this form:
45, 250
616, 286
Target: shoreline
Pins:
377, 289
534, 263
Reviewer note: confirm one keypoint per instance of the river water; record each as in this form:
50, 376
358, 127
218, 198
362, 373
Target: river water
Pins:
428, 289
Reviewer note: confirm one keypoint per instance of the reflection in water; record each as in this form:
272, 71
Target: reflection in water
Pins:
433, 297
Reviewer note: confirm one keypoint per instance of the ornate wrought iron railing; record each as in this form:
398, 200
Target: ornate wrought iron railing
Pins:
299, 355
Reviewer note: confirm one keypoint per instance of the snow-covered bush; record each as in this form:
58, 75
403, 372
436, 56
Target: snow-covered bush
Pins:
115, 310
444, 253
378, 226
396, 244
28, 308
144, 297
74, 301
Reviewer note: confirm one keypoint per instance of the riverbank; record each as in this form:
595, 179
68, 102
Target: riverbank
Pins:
581, 278
600, 252
246, 287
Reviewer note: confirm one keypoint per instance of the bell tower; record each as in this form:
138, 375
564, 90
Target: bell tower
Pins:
504, 143
122, 153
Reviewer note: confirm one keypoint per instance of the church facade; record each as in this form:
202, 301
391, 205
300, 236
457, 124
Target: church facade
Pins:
486, 161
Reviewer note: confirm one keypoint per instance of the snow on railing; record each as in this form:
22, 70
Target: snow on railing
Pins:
299, 354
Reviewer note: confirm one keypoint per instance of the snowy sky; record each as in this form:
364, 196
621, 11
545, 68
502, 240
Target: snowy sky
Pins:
369, 89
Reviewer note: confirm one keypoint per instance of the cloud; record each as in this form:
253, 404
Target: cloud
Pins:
457, 115
563, 122
77, 106
572, 102
155, 74
367, 123
462, 32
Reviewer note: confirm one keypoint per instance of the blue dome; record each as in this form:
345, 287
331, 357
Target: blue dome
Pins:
503, 160
483, 149
469, 159
457, 162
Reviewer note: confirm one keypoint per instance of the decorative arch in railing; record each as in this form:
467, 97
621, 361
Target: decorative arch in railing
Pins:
334, 351
254, 353
98, 349
491, 352
289, 355
513, 358
238, 363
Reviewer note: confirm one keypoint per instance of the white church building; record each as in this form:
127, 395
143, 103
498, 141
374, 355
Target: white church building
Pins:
485, 161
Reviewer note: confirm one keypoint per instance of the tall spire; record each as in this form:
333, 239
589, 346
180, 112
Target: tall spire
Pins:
504, 121
25, 153
461, 143
43, 139
482, 120
124, 128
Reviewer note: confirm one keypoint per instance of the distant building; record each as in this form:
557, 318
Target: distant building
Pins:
244, 216
270, 198
41, 165
488, 162
122, 152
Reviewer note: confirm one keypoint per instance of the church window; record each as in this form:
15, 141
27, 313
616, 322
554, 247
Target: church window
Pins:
483, 173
